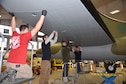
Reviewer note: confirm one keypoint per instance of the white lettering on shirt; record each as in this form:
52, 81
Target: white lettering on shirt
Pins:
15, 42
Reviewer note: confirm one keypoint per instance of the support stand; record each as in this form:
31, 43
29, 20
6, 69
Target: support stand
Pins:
65, 78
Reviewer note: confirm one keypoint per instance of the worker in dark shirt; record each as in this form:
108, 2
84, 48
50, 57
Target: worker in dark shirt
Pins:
46, 57
77, 51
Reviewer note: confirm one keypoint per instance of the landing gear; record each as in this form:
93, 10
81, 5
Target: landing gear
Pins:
110, 67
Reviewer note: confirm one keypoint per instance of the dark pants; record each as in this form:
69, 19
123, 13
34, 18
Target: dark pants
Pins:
65, 69
78, 66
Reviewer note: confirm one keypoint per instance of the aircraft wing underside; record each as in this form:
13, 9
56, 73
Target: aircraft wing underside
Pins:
69, 17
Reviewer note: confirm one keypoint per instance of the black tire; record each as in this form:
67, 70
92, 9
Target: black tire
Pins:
110, 68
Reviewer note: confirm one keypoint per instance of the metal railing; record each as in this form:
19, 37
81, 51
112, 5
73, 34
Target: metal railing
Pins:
1, 52
30, 82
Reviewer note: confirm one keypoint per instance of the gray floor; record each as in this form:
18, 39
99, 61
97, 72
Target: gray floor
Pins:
87, 78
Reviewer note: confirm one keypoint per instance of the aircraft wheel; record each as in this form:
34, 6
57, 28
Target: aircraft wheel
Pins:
110, 68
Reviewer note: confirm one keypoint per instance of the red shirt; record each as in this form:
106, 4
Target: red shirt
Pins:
18, 52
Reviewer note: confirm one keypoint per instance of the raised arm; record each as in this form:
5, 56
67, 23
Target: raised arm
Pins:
39, 23
50, 37
13, 22
55, 38
80, 48
73, 49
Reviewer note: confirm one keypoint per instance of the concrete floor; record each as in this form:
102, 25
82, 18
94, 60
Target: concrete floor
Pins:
87, 78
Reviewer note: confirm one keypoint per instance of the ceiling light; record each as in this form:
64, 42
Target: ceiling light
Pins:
115, 11
0, 16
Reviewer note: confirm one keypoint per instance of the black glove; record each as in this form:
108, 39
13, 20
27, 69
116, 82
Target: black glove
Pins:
12, 14
44, 12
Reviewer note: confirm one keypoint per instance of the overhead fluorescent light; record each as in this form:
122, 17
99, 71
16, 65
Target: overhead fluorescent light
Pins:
115, 11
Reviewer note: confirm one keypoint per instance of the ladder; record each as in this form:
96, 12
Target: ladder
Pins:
8, 76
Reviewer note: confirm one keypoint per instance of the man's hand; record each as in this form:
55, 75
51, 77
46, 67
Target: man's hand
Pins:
44, 12
56, 32
12, 14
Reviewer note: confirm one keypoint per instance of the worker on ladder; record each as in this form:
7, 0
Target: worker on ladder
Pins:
18, 52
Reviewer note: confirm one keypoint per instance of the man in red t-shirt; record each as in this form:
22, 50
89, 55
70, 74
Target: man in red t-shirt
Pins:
18, 52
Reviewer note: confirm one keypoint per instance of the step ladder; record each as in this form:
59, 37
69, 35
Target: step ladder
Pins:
8, 76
